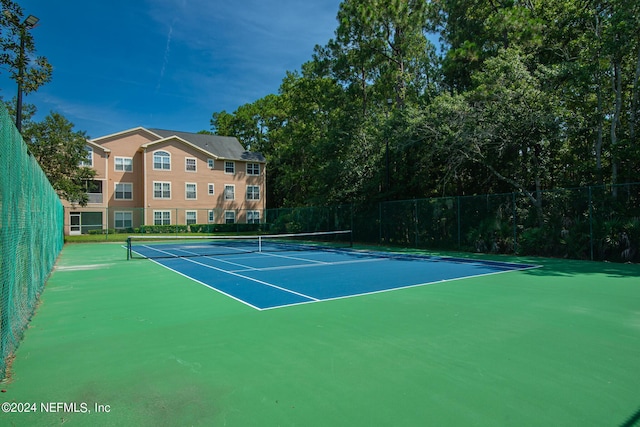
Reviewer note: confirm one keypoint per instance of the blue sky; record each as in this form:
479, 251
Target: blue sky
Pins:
167, 64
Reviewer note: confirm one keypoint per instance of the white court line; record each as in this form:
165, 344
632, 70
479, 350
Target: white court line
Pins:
380, 291
262, 282
324, 264
173, 255
293, 257
207, 285
232, 273
320, 263
246, 267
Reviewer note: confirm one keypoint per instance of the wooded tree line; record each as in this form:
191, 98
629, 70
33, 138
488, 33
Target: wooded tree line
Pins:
525, 95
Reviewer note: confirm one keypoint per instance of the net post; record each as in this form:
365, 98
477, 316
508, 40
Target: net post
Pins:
128, 248
259, 243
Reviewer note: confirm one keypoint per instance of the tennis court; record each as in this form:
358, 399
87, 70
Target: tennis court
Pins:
555, 345
268, 272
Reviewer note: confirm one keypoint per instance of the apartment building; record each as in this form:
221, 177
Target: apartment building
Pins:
161, 177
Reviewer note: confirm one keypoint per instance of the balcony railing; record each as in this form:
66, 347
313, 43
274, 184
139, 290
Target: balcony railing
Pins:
95, 198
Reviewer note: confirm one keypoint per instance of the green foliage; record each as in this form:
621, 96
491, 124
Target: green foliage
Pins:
526, 96
225, 228
617, 239
164, 229
60, 150
102, 231
36, 70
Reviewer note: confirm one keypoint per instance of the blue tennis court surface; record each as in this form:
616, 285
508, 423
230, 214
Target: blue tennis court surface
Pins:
265, 280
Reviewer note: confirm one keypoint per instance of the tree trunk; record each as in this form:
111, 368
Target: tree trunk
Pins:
617, 88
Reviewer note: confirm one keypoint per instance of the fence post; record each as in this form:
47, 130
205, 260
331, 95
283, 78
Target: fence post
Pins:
415, 222
458, 220
590, 223
379, 223
515, 224
351, 219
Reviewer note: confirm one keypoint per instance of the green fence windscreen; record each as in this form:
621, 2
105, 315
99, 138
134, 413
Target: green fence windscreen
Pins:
31, 235
595, 223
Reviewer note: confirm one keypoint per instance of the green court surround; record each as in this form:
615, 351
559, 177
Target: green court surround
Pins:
554, 346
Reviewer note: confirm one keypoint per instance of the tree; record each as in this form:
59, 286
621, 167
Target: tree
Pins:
531, 95
253, 124
477, 30
18, 50
60, 150
381, 47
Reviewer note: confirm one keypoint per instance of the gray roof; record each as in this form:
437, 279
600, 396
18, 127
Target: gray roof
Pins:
225, 147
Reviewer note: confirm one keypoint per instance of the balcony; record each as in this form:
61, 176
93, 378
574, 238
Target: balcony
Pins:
95, 198
94, 192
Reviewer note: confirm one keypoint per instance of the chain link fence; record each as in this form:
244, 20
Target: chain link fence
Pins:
594, 223
31, 235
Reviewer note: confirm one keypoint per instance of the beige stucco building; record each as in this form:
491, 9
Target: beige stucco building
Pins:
159, 177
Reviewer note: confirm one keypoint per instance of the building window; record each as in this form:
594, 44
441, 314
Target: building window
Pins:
210, 163
124, 164
229, 192
253, 168
124, 191
253, 192
191, 191
191, 217
162, 160
88, 158
161, 190
190, 164
229, 217
94, 191
229, 167
123, 220
211, 191
211, 215
253, 217
161, 217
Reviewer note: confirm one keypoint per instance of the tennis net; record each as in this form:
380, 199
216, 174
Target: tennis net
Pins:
194, 246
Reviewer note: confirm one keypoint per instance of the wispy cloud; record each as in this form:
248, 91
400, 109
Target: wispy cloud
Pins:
84, 113
248, 36
170, 62
167, 50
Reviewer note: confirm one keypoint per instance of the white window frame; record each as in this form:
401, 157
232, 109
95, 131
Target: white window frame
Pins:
251, 192
211, 216
187, 160
228, 187
187, 192
121, 165
162, 190
229, 216
211, 189
163, 155
123, 219
123, 191
253, 217
163, 217
187, 219
88, 160
229, 167
253, 169
211, 163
